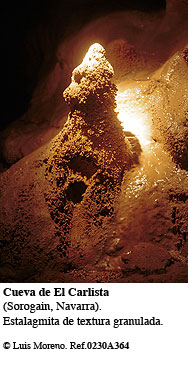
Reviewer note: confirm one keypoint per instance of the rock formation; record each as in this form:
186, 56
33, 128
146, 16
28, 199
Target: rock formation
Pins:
87, 161
168, 96
58, 201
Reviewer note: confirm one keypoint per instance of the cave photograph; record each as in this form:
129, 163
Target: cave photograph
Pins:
94, 141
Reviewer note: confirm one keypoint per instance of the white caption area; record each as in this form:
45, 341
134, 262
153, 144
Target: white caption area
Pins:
148, 344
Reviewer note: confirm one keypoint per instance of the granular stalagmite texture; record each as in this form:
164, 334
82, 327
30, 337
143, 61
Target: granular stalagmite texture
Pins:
87, 161
57, 203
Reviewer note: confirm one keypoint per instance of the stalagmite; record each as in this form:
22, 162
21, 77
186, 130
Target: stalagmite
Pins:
93, 154
64, 193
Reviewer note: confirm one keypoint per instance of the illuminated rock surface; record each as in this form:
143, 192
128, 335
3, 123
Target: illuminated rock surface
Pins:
51, 205
168, 95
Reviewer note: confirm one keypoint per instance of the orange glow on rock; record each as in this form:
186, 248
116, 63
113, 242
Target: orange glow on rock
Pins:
133, 113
